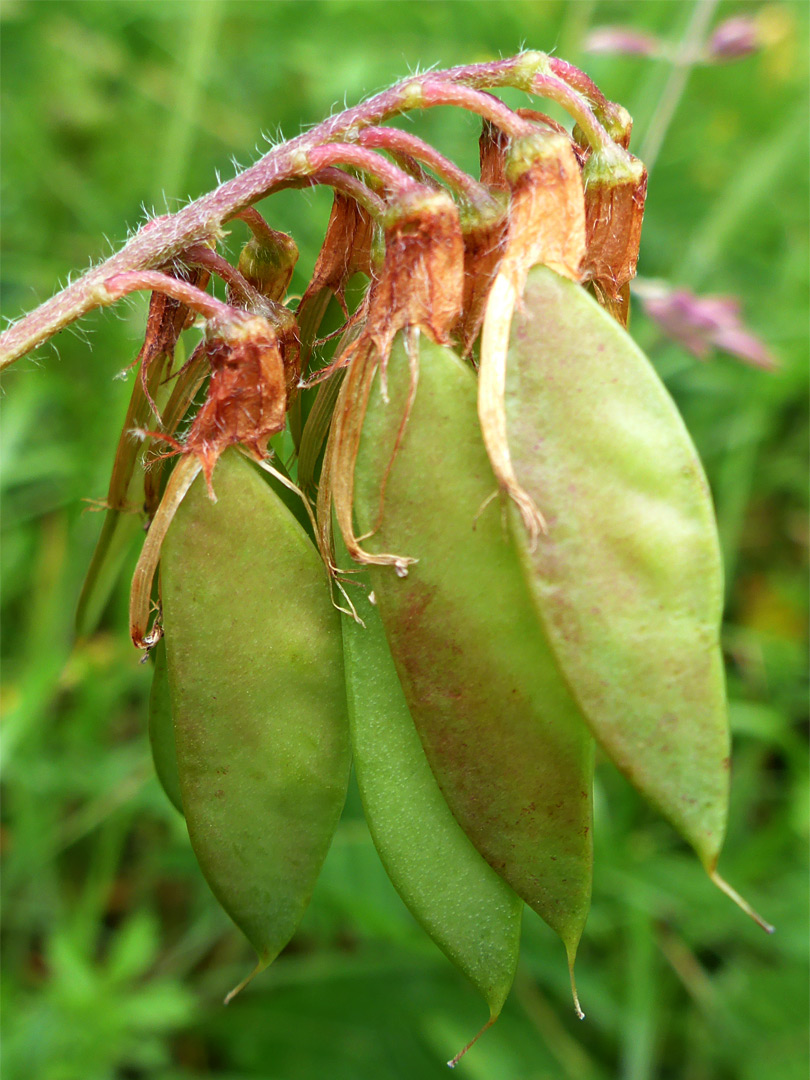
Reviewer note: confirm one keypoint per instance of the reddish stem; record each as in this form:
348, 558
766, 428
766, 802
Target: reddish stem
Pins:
396, 141
581, 82
438, 92
343, 182
549, 86
134, 280
162, 239
359, 158
200, 255
258, 226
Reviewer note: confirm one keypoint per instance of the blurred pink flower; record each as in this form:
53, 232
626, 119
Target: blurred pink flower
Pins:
623, 40
703, 323
734, 39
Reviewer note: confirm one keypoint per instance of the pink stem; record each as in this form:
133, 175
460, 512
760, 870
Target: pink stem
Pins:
358, 157
343, 182
438, 92
134, 280
396, 141
578, 80
164, 238
549, 86
200, 255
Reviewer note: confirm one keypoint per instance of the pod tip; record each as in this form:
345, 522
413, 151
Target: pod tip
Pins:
741, 903
451, 1064
241, 986
574, 994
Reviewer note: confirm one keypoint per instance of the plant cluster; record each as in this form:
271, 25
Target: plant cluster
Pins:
458, 540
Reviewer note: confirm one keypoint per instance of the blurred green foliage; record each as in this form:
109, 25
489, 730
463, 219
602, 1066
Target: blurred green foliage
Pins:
115, 956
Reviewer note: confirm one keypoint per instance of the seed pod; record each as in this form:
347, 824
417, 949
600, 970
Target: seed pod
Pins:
628, 578
471, 914
161, 730
503, 736
255, 670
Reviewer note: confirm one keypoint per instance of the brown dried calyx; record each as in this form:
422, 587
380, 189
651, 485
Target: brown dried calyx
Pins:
346, 250
166, 320
615, 192
246, 399
421, 280
545, 221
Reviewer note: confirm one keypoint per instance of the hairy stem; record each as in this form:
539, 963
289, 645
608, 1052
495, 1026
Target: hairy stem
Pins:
162, 239
396, 141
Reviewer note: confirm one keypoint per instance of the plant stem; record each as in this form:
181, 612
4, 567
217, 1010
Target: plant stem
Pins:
676, 83
163, 238
396, 141
358, 157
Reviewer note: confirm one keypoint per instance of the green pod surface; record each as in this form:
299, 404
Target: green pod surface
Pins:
471, 914
628, 578
256, 677
161, 730
503, 736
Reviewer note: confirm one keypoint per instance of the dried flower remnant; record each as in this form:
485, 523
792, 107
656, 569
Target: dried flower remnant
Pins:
419, 287
615, 193
245, 405
622, 41
347, 249
703, 323
421, 280
547, 224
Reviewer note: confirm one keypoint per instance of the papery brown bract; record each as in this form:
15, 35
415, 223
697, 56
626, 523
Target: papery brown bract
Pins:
484, 238
346, 250
615, 193
421, 282
246, 401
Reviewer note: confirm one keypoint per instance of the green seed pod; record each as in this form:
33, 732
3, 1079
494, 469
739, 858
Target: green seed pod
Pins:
161, 730
255, 670
628, 576
502, 734
472, 915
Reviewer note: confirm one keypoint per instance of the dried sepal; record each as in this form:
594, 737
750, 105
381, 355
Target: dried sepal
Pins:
187, 384
140, 598
615, 191
346, 250
421, 282
165, 321
246, 400
546, 225
342, 449
484, 238
547, 210
492, 146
